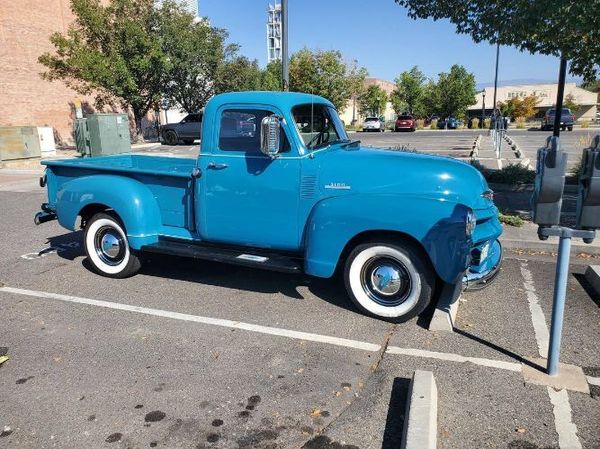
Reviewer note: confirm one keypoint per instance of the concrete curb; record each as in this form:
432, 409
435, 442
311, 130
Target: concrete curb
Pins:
476, 147
548, 246
445, 312
592, 275
420, 423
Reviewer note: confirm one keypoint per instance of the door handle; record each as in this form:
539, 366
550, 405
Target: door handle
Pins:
215, 166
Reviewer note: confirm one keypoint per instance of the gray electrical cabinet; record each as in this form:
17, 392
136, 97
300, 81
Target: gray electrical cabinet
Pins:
102, 134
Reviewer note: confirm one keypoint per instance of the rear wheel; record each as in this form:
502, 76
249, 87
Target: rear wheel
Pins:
570, 128
389, 281
171, 138
107, 248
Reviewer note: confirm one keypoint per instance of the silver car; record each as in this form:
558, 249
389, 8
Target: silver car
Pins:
373, 124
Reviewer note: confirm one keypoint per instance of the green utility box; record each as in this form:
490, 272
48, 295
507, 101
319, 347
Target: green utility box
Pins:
102, 134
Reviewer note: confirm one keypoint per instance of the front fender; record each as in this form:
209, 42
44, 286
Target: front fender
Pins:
438, 225
130, 199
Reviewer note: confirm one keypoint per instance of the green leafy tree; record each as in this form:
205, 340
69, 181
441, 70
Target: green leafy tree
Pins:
517, 107
113, 52
455, 91
409, 91
373, 101
272, 77
432, 98
196, 52
324, 73
559, 28
238, 73
571, 103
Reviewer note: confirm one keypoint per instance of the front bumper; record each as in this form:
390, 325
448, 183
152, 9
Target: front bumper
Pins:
482, 273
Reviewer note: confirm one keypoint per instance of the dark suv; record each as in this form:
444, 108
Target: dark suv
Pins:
567, 119
187, 130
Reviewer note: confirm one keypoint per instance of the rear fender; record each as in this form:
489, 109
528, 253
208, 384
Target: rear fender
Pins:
438, 225
131, 200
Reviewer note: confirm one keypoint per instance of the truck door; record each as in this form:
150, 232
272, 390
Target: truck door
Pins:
250, 198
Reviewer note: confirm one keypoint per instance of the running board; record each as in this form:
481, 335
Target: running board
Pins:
274, 262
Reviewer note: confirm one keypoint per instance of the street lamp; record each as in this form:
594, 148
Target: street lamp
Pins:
482, 109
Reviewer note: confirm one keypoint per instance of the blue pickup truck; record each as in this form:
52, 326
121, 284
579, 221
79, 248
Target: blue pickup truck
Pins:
279, 185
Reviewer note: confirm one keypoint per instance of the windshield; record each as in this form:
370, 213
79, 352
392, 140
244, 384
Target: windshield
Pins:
318, 125
371, 119
404, 117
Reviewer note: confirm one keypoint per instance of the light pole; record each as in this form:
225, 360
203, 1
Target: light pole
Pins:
496, 77
482, 109
285, 71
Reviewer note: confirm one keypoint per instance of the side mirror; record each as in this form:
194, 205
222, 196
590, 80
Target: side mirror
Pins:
270, 135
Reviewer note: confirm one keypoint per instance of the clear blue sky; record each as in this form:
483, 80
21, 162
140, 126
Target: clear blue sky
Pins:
379, 34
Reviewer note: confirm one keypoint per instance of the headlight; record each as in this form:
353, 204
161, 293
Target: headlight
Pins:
488, 195
471, 221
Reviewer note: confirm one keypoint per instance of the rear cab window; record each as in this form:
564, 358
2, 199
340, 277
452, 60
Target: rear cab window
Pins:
239, 130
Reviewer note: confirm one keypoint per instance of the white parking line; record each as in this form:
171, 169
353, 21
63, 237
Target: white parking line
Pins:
565, 428
510, 366
538, 319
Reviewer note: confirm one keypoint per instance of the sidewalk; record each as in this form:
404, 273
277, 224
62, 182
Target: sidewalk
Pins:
486, 154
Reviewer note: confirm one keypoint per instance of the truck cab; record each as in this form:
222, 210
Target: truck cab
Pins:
279, 185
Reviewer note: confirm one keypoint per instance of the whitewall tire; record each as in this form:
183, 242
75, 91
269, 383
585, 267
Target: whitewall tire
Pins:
390, 281
107, 248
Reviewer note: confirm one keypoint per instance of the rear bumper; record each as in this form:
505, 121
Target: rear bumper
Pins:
47, 214
480, 276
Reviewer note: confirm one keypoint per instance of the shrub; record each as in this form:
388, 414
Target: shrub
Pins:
511, 174
511, 220
585, 123
433, 125
420, 123
475, 123
487, 123
520, 121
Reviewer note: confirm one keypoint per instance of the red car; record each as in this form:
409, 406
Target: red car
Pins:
405, 122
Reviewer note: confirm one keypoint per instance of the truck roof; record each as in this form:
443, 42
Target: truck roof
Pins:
282, 100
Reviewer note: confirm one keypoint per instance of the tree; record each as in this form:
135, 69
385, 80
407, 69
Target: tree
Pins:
196, 52
454, 91
432, 102
559, 28
272, 77
519, 107
324, 73
238, 73
570, 102
111, 51
408, 93
373, 101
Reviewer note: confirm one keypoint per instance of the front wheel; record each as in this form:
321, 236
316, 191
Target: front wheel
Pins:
107, 248
389, 281
570, 128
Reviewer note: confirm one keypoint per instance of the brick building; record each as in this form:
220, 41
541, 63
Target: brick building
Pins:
26, 99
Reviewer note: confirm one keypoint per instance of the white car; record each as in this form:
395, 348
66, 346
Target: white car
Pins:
373, 124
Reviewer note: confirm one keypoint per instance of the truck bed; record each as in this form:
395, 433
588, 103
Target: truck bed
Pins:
151, 165
168, 178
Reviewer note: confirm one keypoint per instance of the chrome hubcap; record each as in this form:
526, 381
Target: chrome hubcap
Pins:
110, 245
386, 281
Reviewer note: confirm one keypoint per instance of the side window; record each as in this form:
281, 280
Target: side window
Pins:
240, 131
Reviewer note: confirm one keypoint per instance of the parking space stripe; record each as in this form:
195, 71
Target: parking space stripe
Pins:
593, 380
510, 366
565, 428
538, 319
200, 319
371, 347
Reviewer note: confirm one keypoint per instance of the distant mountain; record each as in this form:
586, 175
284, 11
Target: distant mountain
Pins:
523, 81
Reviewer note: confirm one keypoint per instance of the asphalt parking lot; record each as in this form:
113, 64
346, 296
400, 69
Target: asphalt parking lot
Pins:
198, 355
573, 142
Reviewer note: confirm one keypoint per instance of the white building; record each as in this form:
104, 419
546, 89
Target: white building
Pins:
546, 94
274, 32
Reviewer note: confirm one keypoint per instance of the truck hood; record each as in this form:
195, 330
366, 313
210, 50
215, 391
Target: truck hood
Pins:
373, 170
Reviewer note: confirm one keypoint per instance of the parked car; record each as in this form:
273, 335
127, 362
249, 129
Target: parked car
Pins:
293, 194
373, 124
452, 123
567, 120
186, 131
406, 123
441, 123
